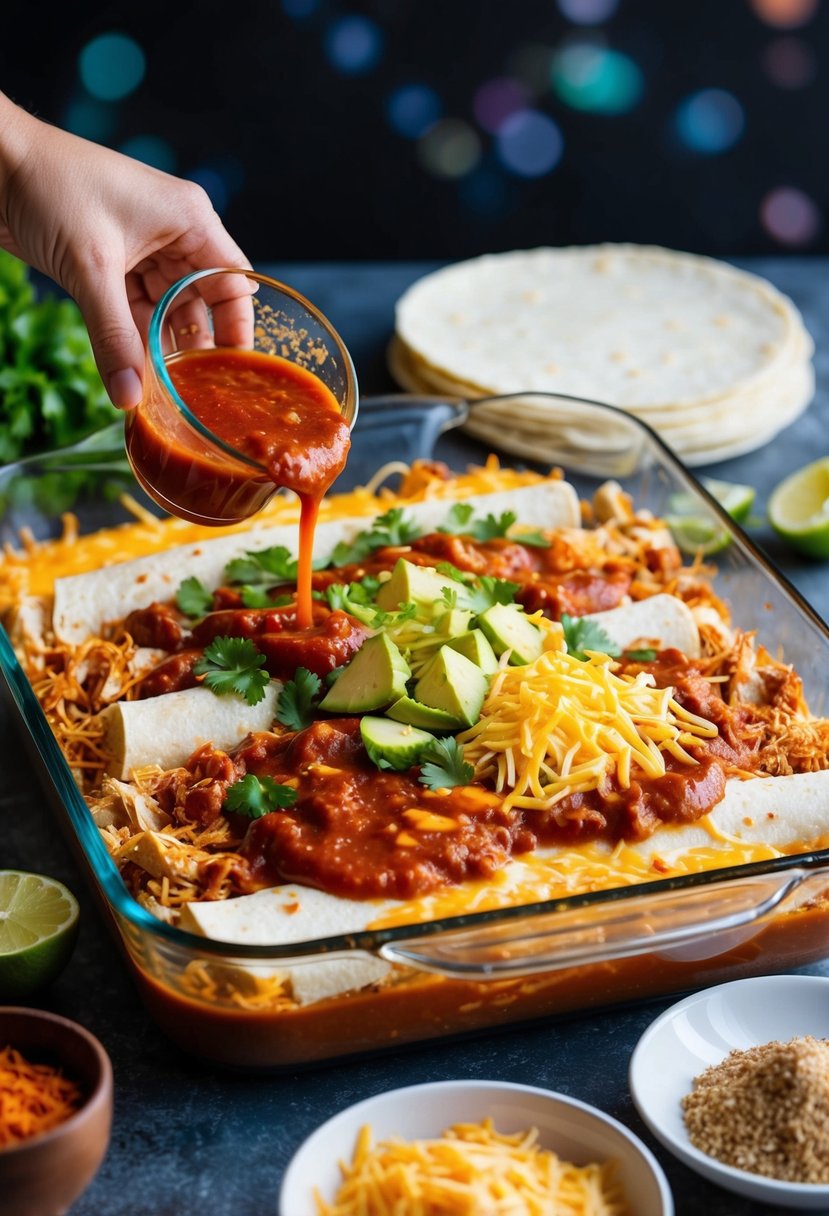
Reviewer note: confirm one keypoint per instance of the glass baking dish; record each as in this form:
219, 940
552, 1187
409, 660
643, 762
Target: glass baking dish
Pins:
485, 969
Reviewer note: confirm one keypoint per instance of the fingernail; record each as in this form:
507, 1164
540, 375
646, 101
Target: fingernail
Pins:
125, 388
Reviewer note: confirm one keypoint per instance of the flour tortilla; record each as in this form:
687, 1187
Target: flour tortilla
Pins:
716, 360
630, 325
662, 621
84, 603
166, 730
289, 914
777, 811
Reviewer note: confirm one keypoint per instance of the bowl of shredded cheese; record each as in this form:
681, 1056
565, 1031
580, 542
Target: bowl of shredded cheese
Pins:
55, 1111
476, 1146
734, 1081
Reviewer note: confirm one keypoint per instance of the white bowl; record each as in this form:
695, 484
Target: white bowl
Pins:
700, 1031
577, 1132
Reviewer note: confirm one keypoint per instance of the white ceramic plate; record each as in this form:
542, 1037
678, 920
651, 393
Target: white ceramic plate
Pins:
701, 1031
576, 1131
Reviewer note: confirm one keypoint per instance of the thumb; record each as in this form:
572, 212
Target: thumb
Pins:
116, 344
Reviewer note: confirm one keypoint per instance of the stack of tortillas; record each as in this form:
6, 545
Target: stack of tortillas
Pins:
716, 360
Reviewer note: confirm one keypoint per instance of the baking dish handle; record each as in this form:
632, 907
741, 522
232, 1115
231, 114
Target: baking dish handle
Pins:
693, 923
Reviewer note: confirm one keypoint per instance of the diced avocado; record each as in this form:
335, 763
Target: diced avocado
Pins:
475, 646
393, 744
420, 585
453, 683
417, 714
454, 622
374, 678
507, 628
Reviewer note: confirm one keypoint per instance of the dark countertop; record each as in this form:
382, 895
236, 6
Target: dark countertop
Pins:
189, 1138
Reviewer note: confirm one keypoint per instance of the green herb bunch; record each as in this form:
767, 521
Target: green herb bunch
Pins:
50, 392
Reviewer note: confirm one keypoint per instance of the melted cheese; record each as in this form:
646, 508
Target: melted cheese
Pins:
561, 725
471, 1169
553, 874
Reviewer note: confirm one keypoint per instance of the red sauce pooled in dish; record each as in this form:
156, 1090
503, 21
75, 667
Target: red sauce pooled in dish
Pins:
271, 410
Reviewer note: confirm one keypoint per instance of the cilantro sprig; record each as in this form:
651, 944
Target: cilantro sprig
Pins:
391, 529
193, 598
442, 765
582, 634
646, 655
461, 522
234, 665
487, 591
298, 698
258, 796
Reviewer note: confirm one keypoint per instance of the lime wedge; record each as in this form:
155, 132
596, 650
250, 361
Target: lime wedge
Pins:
798, 508
38, 926
698, 533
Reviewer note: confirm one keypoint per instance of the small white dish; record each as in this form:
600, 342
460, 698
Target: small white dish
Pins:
576, 1131
700, 1031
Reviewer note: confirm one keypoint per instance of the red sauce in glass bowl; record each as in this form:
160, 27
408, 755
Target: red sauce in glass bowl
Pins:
271, 410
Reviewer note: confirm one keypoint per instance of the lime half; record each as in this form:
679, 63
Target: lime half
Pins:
695, 532
38, 926
798, 508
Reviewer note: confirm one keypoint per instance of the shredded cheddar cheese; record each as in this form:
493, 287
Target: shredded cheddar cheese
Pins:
563, 725
472, 1169
34, 1098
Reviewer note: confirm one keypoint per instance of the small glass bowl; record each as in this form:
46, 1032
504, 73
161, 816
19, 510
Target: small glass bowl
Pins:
186, 468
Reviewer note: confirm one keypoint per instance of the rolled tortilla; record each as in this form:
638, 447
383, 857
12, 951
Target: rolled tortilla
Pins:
773, 811
83, 603
166, 730
291, 914
660, 619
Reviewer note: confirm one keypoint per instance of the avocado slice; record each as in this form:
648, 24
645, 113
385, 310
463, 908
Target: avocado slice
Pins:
393, 744
453, 683
507, 628
475, 646
454, 622
420, 585
375, 677
417, 714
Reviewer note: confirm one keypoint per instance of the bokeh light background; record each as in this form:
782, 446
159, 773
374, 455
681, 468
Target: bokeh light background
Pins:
334, 129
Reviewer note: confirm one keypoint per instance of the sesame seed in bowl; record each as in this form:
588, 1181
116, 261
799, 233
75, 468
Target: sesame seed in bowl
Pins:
734, 1081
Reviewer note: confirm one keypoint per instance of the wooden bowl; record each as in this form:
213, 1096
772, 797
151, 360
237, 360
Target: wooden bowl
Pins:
44, 1175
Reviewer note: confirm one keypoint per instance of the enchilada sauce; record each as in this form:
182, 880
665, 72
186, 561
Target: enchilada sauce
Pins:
277, 414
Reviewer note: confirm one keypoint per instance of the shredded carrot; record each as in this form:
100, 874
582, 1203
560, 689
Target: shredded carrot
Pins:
34, 1098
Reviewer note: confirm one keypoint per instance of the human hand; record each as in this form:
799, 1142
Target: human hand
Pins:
115, 234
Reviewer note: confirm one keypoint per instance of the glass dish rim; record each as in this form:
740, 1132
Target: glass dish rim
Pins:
122, 903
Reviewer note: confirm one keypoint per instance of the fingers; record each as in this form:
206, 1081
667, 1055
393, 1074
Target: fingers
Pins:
116, 343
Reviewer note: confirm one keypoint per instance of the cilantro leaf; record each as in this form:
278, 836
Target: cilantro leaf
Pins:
442, 765
233, 665
392, 528
532, 537
397, 529
458, 576
257, 796
297, 699
260, 597
490, 528
582, 634
646, 655
460, 522
268, 567
193, 598
449, 596
486, 591
457, 520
